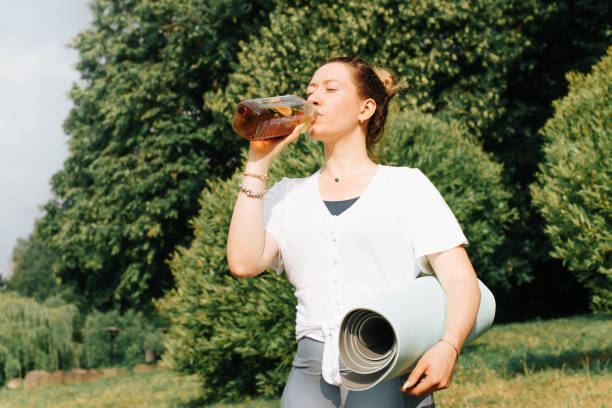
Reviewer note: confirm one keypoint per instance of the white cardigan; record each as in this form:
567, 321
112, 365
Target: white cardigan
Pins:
337, 262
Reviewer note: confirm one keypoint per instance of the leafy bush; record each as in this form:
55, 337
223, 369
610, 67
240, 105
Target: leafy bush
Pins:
238, 334
136, 333
34, 337
470, 181
573, 186
455, 57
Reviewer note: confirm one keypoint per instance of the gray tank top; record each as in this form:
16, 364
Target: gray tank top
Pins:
337, 207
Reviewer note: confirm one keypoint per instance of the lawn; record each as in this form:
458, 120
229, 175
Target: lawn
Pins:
555, 363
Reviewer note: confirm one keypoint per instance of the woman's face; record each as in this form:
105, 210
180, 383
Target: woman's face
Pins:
333, 92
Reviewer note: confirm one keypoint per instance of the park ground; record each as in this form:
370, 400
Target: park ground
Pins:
564, 362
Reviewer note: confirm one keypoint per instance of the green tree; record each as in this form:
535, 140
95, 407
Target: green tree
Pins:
138, 154
573, 186
33, 269
34, 336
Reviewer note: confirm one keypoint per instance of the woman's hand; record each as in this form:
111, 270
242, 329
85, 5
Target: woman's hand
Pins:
266, 149
437, 366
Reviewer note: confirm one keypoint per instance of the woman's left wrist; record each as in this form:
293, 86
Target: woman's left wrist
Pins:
450, 343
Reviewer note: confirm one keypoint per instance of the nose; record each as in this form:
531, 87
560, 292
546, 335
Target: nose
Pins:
314, 98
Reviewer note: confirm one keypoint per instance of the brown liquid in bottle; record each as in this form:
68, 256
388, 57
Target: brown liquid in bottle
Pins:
255, 121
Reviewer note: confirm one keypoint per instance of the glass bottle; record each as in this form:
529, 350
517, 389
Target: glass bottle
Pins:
267, 118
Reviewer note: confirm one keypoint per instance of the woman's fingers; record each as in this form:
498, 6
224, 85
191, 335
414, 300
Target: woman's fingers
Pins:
414, 376
426, 386
272, 147
437, 366
294, 134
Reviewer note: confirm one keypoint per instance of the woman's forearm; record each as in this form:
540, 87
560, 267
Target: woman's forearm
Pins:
462, 302
458, 278
246, 236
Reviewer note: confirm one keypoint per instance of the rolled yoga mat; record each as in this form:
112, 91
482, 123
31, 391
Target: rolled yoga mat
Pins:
385, 337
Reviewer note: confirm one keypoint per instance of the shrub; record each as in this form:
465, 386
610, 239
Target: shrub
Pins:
470, 181
238, 334
455, 57
34, 337
573, 186
136, 333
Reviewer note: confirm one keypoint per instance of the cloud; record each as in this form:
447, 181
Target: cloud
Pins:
36, 73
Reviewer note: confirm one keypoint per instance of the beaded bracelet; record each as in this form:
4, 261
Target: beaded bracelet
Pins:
259, 176
251, 193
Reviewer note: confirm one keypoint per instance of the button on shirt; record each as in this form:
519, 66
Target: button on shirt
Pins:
335, 263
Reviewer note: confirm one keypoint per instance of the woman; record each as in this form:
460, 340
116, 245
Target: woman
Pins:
351, 230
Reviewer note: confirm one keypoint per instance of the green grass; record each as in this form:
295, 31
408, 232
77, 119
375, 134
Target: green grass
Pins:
156, 389
554, 363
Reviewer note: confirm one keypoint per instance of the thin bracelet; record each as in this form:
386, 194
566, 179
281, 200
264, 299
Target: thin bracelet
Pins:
251, 193
456, 350
259, 176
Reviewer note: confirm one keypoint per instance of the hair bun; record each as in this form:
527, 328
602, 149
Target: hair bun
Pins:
387, 79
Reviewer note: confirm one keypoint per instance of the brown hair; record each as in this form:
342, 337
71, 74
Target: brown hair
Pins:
376, 83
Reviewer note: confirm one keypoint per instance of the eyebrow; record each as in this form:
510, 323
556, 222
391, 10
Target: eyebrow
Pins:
324, 82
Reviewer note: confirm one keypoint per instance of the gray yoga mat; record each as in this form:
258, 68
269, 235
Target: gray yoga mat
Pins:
385, 337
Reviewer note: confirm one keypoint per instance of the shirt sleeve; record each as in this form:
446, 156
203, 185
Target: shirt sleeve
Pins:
433, 225
273, 223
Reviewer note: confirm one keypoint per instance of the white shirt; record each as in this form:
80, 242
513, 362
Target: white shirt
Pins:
337, 262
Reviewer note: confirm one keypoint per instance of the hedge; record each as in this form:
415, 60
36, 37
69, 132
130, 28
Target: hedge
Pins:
573, 187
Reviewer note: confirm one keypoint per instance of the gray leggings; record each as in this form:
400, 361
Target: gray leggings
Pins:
306, 388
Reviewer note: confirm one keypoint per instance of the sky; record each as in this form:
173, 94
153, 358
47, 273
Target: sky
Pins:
37, 69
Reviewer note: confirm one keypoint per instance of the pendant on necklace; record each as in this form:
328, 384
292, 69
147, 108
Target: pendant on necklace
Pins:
337, 179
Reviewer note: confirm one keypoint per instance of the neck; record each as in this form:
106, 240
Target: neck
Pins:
347, 155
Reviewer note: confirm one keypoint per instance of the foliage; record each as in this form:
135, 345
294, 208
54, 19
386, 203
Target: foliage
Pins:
456, 58
33, 270
138, 156
151, 113
469, 180
238, 334
454, 55
573, 189
563, 35
33, 336
136, 333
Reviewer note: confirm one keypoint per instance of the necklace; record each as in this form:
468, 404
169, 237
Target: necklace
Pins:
337, 179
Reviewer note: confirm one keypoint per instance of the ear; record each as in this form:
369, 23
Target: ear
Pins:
368, 107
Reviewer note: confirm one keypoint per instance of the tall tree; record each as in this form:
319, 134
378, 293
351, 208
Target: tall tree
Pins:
33, 269
138, 155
